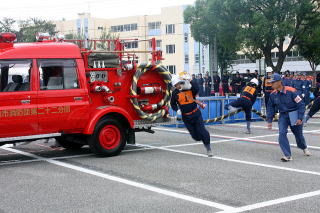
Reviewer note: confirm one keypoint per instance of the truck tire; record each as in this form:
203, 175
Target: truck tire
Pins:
108, 138
68, 144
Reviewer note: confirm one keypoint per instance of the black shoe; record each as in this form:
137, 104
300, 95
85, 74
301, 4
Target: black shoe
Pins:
286, 158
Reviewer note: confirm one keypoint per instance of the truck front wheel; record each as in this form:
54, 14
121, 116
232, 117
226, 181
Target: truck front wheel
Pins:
108, 138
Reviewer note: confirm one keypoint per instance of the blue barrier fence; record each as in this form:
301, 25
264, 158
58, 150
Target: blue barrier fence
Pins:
215, 108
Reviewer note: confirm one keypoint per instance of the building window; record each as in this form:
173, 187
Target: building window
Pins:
154, 25
172, 69
100, 28
124, 28
170, 29
131, 45
170, 49
196, 58
158, 44
186, 59
186, 38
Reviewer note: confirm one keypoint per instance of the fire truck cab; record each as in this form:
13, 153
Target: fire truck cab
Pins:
54, 89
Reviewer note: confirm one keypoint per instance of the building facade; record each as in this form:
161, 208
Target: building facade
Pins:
180, 51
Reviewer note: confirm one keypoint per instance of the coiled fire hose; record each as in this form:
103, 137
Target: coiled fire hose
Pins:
165, 102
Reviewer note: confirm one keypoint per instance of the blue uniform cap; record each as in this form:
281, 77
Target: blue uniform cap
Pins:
275, 77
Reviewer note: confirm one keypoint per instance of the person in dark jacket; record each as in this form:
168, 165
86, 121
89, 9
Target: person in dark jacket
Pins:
267, 86
207, 84
216, 83
236, 84
200, 82
225, 83
246, 101
184, 98
313, 110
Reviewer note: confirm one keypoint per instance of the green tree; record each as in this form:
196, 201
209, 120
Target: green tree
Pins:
257, 27
7, 25
309, 47
210, 22
30, 27
273, 24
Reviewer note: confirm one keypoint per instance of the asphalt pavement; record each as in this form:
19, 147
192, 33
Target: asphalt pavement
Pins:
166, 172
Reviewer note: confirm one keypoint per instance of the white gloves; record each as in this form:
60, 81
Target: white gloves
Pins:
178, 112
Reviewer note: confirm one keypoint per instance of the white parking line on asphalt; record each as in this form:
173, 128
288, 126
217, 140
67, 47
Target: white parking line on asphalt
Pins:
61, 158
230, 138
236, 161
273, 202
126, 181
265, 127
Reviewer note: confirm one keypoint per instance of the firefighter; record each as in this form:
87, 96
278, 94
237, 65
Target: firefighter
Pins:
287, 80
306, 86
247, 77
184, 98
298, 84
267, 87
291, 108
207, 84
236, 84
225, 83
314, 109
200, 81
216, 83
246, 101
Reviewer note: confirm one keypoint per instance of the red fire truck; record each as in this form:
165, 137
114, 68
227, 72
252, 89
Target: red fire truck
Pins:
58, 89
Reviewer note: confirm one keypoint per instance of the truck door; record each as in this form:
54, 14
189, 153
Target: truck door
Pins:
18, 98
62, 98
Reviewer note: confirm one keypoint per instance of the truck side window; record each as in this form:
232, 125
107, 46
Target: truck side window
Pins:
15, 75
58, 74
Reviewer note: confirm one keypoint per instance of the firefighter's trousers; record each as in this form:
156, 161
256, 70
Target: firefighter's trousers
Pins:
245, 104
284, 122
195, 125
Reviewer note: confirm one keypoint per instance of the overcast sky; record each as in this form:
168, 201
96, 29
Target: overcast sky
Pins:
68, 9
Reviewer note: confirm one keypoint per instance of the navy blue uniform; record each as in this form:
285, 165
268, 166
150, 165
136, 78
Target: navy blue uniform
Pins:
191, 115
315, 107
225, 84
287, 101
298, 85
267, 89
287, 81
236, 84
201, 86
246, 100
216, 83
306, 86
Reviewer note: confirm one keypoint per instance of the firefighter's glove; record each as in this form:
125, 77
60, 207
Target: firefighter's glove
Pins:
203, 105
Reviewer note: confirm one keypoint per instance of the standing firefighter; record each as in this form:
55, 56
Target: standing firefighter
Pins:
246, 100
184, 96
267, 87
291, 108
314, 109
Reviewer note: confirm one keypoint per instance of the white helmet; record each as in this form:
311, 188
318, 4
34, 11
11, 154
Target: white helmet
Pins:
255, 81
175, 79
187, 77
269, 69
